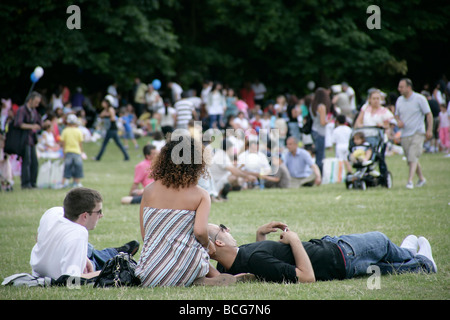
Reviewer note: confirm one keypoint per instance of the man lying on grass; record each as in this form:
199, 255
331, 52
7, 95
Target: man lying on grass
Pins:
328, 258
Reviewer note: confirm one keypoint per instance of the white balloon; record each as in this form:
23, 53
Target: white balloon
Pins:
38, 72
311, 85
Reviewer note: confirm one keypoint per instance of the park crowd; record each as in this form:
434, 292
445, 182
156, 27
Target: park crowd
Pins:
296, 130
174, 210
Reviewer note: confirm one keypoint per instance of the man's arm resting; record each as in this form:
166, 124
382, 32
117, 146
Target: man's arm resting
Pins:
304, 269
269, 228
89, 272
316, 171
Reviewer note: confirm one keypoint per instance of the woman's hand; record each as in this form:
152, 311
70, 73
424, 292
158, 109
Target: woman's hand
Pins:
210, 248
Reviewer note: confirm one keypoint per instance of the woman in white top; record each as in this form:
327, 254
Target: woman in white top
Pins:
216, 106
166, 117
153, 99
56, 101
374, 114
240, 122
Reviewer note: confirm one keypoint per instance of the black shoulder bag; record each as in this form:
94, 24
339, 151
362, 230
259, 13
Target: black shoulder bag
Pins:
118, 271
15, 140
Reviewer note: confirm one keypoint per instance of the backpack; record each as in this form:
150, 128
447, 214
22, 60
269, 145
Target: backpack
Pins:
118, 271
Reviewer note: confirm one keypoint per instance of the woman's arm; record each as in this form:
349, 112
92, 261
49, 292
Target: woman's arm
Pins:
321, 109
359, 120
112, 114
141, 210
201, 222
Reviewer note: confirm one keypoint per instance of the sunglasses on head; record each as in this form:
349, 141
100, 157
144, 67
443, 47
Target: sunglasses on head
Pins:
222, 228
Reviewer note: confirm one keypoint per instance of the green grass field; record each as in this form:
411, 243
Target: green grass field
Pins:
311, 212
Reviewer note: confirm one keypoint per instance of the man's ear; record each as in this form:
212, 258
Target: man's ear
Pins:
82, 218
219, 243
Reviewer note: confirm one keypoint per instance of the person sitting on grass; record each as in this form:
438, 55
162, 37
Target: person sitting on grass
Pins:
174, 216
62, 246
141, 176
328, 258
302, 168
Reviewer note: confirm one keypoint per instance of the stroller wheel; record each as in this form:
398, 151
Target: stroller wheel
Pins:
388, 180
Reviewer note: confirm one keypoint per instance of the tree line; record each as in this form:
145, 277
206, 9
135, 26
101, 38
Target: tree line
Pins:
284, 43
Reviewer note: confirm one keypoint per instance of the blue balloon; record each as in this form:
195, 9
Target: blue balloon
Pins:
33, 78
156, 84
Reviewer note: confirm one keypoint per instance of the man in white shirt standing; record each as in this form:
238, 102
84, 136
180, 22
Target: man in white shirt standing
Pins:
411, 109
176, 91
62, 246
351, 95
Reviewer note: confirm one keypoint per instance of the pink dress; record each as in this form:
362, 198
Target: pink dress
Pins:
443, 130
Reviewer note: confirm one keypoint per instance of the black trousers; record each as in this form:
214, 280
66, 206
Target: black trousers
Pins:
30, 167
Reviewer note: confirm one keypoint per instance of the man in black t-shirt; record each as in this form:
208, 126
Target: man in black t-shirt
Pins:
329, 258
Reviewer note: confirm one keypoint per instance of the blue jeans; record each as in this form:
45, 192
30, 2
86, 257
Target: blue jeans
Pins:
294, 130
319, 142
73, 166
112, 134
374, 248
215, 118
100, 257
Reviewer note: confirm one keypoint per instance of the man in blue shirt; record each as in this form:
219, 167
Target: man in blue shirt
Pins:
302, 168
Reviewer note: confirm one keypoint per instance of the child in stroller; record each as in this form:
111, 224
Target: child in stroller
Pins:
365, 146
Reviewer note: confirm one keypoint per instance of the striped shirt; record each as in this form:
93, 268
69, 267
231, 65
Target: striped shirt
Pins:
184, 109
171, 255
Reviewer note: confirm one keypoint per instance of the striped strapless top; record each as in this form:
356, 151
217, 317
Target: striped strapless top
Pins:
171, 255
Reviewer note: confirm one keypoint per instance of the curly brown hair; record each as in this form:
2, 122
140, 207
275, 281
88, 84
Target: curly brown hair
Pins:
180, 163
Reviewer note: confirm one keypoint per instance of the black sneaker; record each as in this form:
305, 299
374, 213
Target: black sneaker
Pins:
131, 248
226, 189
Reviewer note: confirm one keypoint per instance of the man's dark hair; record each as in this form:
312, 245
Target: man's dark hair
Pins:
147, 150
32, 96
408, 82
80, 200
341, 119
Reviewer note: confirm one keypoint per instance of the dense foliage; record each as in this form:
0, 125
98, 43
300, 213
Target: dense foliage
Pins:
283, 43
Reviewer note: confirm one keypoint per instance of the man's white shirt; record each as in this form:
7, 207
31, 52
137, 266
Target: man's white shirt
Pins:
61, 247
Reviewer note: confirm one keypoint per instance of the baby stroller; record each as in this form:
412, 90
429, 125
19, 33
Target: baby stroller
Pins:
366, 174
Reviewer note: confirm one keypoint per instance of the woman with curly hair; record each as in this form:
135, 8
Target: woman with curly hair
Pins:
174, 220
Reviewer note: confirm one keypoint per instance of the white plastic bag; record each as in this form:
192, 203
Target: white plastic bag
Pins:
43, 178
57, 173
